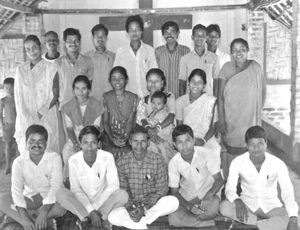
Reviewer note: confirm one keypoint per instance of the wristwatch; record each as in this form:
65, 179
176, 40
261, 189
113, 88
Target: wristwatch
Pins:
294, 219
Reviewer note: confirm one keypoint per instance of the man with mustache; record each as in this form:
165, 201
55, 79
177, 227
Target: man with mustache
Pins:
168, 55
51, 44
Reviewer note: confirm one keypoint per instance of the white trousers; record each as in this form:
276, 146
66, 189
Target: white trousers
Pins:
164, 206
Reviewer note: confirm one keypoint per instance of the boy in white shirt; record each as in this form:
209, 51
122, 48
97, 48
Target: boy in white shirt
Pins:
94, 179
260, 173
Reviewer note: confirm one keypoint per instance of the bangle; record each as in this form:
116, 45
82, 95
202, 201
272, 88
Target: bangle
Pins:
294, 219
146, 126
158, 127
203, 140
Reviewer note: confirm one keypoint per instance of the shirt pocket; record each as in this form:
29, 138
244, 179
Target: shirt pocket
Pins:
271, 179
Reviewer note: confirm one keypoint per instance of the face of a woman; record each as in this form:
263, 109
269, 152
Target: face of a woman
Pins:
154, 83
239, 52
33, 50
196, 85
117, 81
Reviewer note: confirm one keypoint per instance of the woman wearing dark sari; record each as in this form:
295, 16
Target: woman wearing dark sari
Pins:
119, 113
242, 93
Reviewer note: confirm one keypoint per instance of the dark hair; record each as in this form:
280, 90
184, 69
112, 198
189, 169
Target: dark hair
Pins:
198, 27
82, 78
239, 40
36, 129
33, 38
255, 132
134, 18
213, 27
90, 129
51, 32
198, 72
181, 130
119, 69
9, 81
71, 31
99, 27
158, 72
138, 129
161, 95
169, 24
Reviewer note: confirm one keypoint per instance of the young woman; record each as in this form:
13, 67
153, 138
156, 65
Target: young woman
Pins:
119, 113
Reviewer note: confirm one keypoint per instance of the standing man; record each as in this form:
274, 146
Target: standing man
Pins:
199, 58
137, 57
103, 60
51, 44
168, 56
144, 176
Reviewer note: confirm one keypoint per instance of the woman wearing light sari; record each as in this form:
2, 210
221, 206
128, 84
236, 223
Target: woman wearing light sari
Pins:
242, 93
198, 110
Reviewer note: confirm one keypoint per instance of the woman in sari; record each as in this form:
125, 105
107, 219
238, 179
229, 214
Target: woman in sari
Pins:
156, 81
242, 93
119, 113
198, 110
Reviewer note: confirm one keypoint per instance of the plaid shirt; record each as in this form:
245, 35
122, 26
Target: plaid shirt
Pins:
145, 181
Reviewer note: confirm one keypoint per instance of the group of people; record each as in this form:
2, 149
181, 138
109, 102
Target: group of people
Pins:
141, 133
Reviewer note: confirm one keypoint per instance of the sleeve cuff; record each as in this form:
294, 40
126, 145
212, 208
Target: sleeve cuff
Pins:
293, 212
21, 204
89, 208
232, 197
49, 200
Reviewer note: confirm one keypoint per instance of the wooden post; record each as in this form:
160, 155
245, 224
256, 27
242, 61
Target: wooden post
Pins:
295, 83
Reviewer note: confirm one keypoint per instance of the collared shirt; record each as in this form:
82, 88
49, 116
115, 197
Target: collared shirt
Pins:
168, 61
207, 62
194, 179
137, 65
223, 58
68, 72
259, 189
93, 185
29, 179
103, 63
146, 180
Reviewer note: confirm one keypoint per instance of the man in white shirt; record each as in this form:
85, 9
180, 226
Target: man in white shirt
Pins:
51, 44
94, 179
37, 193
260, 173
195, 179
137, 57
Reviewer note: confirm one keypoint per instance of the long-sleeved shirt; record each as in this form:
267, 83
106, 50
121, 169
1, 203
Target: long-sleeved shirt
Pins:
93, 185
259, 189
29, 179
137, 65
146, 180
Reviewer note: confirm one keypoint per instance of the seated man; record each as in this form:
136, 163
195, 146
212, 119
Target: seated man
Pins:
144, 176
259, 173
195, 179
94, 179
37, 193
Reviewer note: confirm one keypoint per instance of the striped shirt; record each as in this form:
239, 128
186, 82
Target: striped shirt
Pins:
168, 61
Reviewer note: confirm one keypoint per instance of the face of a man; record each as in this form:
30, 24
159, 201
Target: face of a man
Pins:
36, 144
171, 35
213, 39
199, 38
89, 146
72, 44
185, 144
100, 39
51, 42
257, 147
139, 143
134, 31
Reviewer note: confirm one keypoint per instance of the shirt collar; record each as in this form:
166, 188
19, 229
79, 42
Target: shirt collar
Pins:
205, 52
27, 157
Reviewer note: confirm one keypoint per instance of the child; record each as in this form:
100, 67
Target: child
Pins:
8, 120
159, 113
79, 112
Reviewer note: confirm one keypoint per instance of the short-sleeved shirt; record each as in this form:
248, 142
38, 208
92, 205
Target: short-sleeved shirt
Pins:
193, 179
207, 62
103, 63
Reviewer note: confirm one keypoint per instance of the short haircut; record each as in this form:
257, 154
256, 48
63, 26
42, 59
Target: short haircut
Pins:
213, 27
33, 38
198, 27
158, 72
239, 40
36, 129
70, 32
255, 132
82, 78
99, 27
139, 129
181, 130
118, 69
90, 129
9, 81
169, 24
51, 32
134, 18
161, 95
198, 72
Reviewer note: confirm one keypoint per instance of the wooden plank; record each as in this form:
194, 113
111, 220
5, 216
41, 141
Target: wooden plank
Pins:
14, 7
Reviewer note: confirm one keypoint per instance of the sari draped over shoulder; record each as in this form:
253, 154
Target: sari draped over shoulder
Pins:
243, 102
33, 95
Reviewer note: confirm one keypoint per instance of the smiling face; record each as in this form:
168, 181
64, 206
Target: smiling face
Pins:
239, 52
72, 44
81, 91
51, 42
134, 31
154, 83
213, 40
139, 143
100, 39
196, 85
33, 50
36, 144
257, 147
171, 35
185, 145
117, 81
89, 146
199, 38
